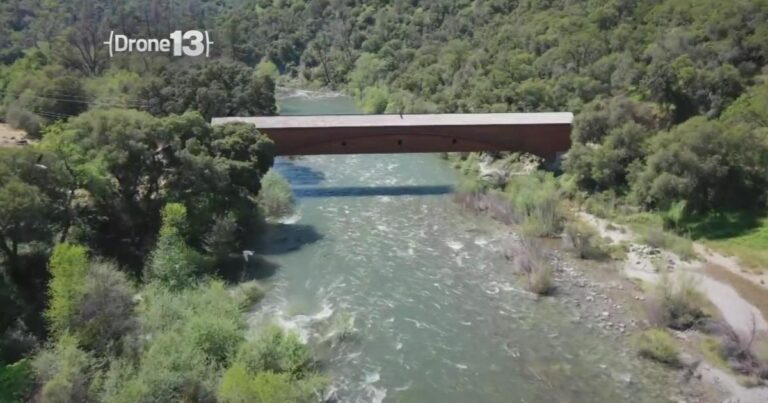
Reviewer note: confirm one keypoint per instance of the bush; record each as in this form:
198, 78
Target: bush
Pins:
704, 163
222, 239
537, 199
679, 306
658, 345
528, 257
248, 293
238, 385
25, 120
16, 381
275, 351
64, 371
106, 312
190, 336
661, 239
584, 240
172, 263
275, 197
69, 268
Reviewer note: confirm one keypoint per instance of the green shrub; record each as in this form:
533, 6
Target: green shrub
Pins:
172, 262
238, 385
248, 293
64, 371
713, 350
528, 257
191, 335
584, 240
105, 315
678, 305
537, 199
275, 197
704, 163
69, 268
276, 351
16, 381
222, 239
658, 345
661, 239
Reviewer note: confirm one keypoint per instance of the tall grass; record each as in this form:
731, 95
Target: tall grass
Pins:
537, 199
529, 258
584, 240
678, 304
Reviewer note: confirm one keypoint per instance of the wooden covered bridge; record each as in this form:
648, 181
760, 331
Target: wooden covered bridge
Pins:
544, 134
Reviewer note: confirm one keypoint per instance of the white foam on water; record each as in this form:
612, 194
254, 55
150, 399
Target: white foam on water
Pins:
481, 241
372, 377
379, 394
302, 324
455, 245
292, 219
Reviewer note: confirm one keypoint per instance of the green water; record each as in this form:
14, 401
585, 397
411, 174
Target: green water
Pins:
438, 313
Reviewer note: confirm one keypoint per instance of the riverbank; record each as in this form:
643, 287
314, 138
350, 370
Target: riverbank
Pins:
615, 297
737, 294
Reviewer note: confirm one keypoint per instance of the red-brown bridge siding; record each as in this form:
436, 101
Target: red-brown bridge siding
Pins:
543, 134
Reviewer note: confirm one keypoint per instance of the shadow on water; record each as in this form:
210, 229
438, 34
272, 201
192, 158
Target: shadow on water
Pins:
286, 238
298, 175
360, 191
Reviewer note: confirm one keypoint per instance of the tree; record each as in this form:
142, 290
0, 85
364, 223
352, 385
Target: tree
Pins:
105, 313
172, 263
69, 268
276, 197
705, 163
217, 88
65, 371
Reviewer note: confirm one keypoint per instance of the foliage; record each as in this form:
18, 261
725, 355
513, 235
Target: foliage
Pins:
172, 262
679, 305
217, 88
658, 345
528, 257
658, 238
248, 294
130, 164
105, 314
276, 367
276, 197
584, 240
705, 163
536, 199
65, 371
238, 386
275, 351
16, 381
190, 335
69, 268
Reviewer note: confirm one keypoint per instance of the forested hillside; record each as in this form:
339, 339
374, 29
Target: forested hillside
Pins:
128, 190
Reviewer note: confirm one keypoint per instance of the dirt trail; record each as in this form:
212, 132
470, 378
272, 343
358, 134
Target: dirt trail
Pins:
10, 137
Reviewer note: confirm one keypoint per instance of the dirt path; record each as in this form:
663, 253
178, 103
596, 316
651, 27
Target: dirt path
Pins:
10, 137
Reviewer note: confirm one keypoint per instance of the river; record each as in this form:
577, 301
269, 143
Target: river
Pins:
438, 314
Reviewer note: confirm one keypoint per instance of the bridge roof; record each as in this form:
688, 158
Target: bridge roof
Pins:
405, 120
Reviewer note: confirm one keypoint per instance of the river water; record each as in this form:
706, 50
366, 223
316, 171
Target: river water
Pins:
438, 314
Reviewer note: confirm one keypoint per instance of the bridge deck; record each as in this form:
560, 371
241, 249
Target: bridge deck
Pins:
544, 134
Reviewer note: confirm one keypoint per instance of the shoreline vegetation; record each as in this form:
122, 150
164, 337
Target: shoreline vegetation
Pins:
124, 179
682, 328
